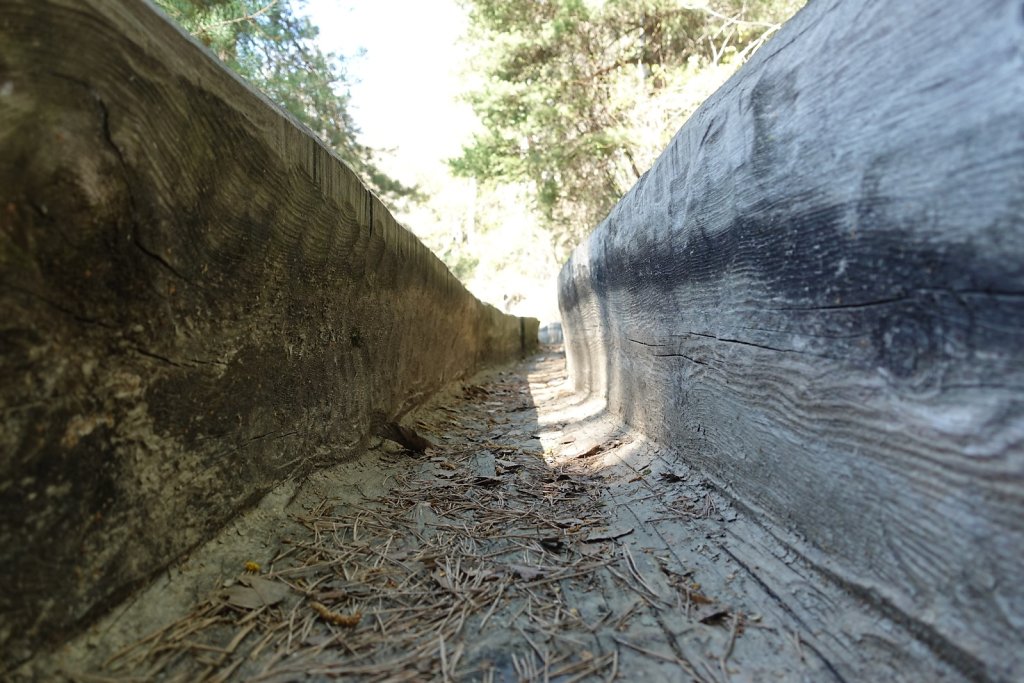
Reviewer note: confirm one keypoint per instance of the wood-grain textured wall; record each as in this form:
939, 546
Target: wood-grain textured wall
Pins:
817, 295
197, 301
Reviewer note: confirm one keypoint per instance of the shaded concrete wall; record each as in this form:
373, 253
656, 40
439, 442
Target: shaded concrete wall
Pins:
197, 301
817, 295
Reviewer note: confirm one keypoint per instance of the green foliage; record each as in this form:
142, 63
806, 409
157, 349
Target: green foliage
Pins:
581, 95
274, 48
460, 262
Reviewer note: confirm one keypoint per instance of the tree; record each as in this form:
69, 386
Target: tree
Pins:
581, 95
273, 47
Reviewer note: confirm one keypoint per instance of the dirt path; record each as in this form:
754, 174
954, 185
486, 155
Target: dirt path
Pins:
536, 541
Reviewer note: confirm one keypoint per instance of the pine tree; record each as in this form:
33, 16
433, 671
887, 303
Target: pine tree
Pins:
274, 47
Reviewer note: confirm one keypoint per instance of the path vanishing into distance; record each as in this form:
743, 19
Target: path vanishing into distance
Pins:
808, 310
535, 539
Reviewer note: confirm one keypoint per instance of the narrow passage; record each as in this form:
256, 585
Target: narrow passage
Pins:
537, 540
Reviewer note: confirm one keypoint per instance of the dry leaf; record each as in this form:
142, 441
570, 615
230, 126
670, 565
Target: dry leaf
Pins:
254, 592
483, 464
403, 436
592, 451
243, 596
442, 580
712, 614
271, 592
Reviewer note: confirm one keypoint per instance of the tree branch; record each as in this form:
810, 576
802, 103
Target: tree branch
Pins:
203, 28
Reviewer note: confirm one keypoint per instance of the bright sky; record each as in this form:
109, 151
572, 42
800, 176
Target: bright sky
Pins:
404, 98
405, 86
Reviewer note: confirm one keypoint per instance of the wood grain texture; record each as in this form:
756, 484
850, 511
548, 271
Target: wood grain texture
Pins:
197, 301
817, 296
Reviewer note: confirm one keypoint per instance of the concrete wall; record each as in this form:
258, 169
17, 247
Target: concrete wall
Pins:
197, 301
817, 295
